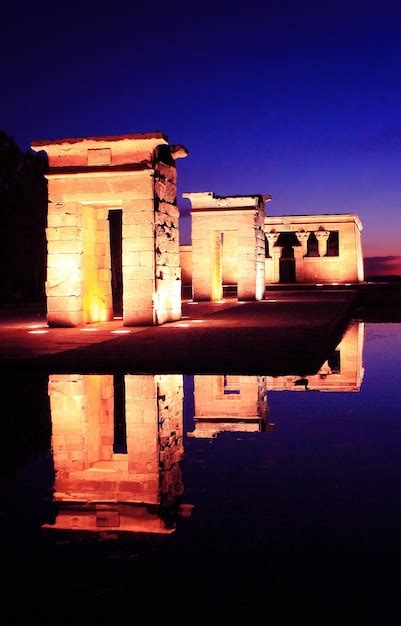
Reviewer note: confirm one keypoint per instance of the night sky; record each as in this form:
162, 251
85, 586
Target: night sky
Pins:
298, 100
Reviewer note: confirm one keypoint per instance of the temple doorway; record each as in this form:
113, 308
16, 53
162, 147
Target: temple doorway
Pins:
116, 238
287, 241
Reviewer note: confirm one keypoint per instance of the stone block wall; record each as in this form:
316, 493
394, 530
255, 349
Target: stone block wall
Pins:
346, 267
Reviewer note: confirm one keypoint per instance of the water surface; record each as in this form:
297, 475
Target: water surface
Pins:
208, 493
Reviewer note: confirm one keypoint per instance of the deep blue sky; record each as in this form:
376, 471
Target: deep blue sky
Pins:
295, 99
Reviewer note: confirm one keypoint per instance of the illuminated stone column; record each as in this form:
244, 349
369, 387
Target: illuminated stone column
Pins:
217, 266
322, 237
103, 263
276, 254
167, 244
202, 267
138, 261
303, 237
65, 264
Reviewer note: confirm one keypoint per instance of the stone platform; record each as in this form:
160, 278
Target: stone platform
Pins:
288, 333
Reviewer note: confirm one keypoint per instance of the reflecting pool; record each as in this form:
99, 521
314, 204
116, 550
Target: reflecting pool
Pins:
178, 496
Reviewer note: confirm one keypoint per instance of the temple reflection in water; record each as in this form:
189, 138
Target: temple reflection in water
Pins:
239, 403
117, 440
342, 371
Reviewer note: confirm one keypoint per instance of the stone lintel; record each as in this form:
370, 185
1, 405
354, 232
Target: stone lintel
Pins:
322, 218
228, 210
42, 143
207, 200
109, 151
99, 169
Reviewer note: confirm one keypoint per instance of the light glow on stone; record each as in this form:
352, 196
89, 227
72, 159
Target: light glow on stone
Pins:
37, 332
88, 329
120, 332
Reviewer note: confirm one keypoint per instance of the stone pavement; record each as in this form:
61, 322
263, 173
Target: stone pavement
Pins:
291, 332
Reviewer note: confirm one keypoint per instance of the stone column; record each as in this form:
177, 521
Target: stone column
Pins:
303, 237
201, 259
217, 266
276, 253
247, 255
65, 264
322, 237
260, 253
103, 257
299, 263
166, 245
138, 258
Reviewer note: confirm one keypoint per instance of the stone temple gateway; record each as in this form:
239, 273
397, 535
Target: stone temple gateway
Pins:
227, 238
89, 179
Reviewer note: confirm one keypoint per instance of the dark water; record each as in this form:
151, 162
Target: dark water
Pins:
181, 498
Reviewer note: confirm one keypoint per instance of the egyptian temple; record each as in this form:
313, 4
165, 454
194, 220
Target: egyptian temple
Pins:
113, 236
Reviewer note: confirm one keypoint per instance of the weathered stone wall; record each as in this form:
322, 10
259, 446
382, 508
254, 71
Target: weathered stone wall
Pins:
167, 250
171, 450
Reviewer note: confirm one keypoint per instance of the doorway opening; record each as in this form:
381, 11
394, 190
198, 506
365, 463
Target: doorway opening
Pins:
120, 424
116, 241
287, 260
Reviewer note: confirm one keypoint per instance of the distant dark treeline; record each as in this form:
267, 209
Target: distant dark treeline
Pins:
23, 210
